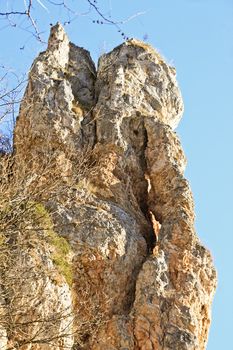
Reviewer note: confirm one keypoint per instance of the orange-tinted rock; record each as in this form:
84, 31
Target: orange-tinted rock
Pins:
136, 256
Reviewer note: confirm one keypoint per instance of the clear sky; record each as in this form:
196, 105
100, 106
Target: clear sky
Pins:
196, 37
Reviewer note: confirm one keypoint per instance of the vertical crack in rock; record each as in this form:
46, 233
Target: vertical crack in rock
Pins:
180, 295
141, 278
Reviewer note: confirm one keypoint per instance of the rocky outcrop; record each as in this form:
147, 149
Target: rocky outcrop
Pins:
140, 277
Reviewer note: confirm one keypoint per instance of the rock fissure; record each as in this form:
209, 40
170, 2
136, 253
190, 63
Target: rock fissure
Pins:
141, 278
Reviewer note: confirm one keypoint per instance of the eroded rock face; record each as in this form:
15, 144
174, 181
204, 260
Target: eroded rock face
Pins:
136, 257
61, 89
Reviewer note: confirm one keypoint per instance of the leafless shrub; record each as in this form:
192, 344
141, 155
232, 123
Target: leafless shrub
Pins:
33, 257
11, 90
5, 145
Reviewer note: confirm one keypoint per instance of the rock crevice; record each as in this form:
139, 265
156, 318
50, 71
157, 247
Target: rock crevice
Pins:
136, 258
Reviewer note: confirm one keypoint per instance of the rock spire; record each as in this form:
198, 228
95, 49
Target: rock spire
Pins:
135, 254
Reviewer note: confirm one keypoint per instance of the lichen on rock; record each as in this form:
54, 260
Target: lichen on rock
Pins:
140, 277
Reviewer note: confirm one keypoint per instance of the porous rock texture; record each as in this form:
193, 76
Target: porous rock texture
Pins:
147, 281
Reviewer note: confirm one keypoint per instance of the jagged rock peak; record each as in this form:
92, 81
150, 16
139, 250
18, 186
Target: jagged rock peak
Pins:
59, 95
141, 280
58, 39
57, 35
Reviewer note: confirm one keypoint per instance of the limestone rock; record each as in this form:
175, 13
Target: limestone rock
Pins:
141, 278
61, 89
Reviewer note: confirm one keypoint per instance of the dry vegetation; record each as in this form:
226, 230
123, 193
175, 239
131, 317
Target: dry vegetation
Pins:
33, 256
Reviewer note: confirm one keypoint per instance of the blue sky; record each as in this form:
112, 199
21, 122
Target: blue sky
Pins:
195, 36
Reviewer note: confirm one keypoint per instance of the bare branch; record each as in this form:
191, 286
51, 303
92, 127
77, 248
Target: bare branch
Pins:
28, 269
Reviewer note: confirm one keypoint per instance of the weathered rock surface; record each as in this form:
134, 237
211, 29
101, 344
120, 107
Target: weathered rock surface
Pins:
146, 280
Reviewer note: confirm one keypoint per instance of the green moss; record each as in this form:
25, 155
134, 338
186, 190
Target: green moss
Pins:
60, 244
42, 216
63, 267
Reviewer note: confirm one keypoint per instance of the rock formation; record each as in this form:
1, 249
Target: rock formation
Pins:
140, 277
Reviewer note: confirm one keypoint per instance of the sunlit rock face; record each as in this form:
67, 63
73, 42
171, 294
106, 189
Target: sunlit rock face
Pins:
137, 262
